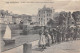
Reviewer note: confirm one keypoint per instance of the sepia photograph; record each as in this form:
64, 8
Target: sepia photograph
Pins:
40, 26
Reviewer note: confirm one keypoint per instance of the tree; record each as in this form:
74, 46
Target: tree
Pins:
76, 17
63, 23
62, 17
50, 23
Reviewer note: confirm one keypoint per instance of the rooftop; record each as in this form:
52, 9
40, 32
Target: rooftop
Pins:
45, 9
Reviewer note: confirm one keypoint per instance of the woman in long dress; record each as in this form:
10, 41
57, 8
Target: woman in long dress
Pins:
42, 41
40, 38
48, 38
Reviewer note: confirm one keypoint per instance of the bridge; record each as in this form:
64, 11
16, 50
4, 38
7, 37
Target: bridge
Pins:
22, 40
18, 39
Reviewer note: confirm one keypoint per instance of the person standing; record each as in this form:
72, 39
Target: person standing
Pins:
40, 38
48, 38
51, 34
42, 41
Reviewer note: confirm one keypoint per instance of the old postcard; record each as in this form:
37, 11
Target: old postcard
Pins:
39, 26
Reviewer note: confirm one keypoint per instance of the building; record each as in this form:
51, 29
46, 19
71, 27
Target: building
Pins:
44, 15
26, 19
5, 17
16, 18
34, 20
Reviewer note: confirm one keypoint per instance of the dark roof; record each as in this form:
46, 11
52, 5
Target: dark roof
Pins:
20, 16
48, 10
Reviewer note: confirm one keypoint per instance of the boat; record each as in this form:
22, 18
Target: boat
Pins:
7, 38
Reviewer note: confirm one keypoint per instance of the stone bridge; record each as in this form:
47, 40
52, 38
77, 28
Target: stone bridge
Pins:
24, 40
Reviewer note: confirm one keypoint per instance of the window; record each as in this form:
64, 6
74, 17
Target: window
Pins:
47, 18
39, 10
39, 18
39, 15
47, 14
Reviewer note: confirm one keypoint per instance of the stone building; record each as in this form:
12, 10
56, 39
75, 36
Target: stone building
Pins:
44, 15
16, 18
5, 17
25, 18
8, 19
34, 20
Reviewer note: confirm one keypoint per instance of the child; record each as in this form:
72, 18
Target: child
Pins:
42, 41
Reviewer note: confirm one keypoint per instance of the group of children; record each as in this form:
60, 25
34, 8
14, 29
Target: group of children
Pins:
44, 39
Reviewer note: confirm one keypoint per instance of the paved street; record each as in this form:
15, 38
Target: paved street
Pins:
64, 47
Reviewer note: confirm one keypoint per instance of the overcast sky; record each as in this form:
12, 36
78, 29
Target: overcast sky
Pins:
32, 8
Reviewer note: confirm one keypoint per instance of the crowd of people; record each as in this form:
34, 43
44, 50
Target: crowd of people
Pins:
51, 36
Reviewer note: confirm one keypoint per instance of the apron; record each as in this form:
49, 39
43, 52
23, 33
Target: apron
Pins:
42, 40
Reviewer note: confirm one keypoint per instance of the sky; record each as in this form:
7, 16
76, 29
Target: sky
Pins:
32, 8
